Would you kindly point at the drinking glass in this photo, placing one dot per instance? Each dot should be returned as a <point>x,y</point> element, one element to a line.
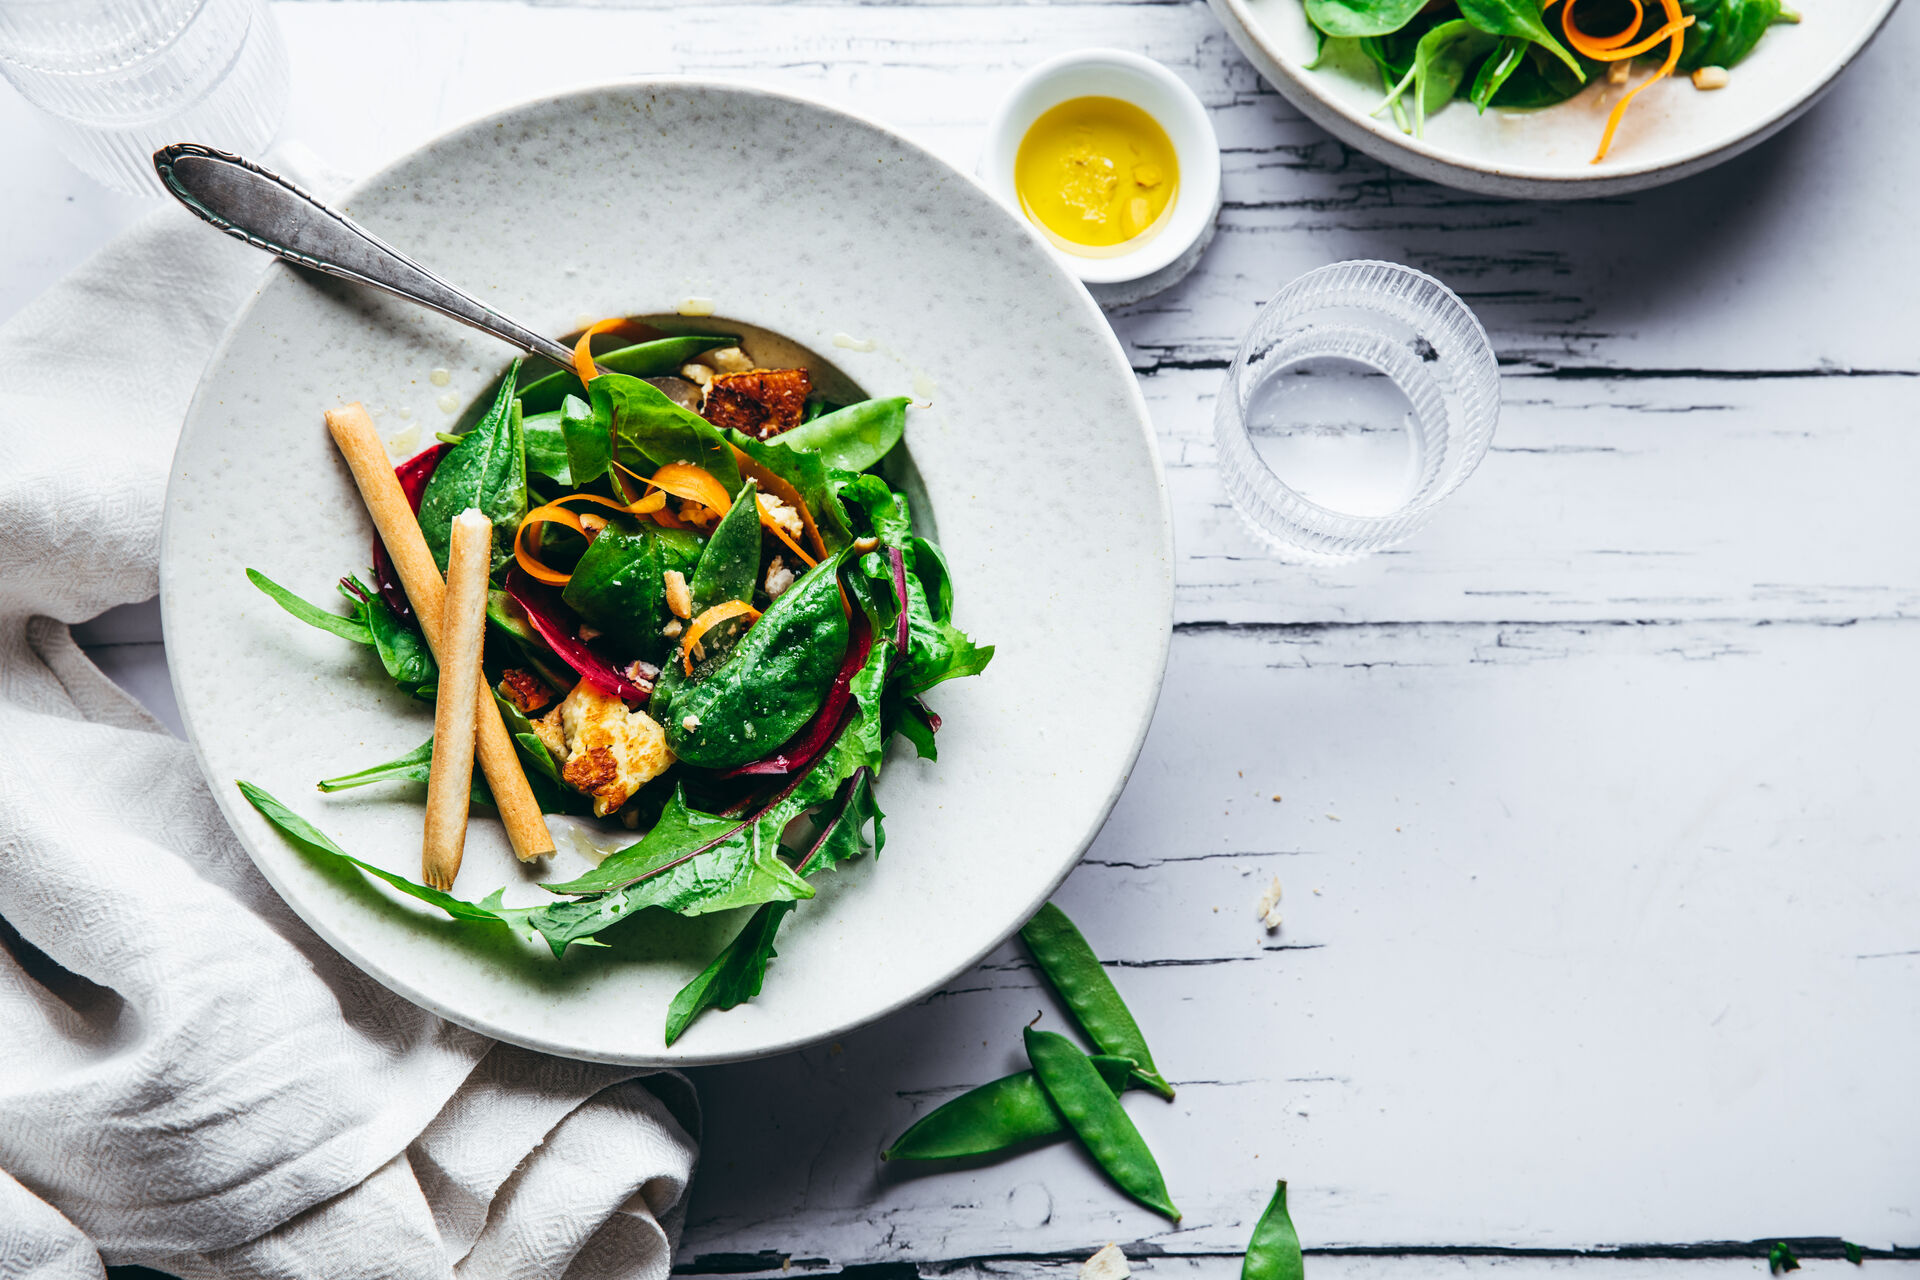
<point>118,79</point>
<point>1365,393</point>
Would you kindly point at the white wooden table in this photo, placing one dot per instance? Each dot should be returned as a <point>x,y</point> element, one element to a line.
<point>1594,806</point>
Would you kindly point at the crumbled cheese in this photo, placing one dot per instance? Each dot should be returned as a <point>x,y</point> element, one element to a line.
<point>611,750</point>
<point>673,629</point>
<point>782,515</point>
<point>779,578</point>
<point>690,723</point>
<point>697,373</point>
<point>728,360</point>
<point>679,598</point>
<point>1108,1264</point>
<point>1268,907</point>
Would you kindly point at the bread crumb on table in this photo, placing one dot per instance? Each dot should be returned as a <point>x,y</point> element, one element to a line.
<point>1267,907</point>
<point>1108,1264</point>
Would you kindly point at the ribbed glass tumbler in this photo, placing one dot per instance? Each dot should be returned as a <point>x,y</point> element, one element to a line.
<point>118,79</point>
<point>1365,393</point>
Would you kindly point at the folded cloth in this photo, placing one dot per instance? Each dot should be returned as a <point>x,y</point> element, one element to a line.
<point>190,1079</point>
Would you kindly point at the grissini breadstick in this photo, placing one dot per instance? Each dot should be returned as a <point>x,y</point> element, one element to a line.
<point>463,618</point>
<point>393,517</point>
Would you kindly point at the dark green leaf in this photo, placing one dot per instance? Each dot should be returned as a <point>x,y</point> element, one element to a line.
<point>735,975</point>
<point>730,565</point>
<point>774,679</point>
<point>809,477</point>
<point>354,628</point>
<point>649,430</point>
<point>936,650</point>
<point>588,440</point>
<point>1274,1251</point>
<point>414,766</point>
<point>1541,80</point>
<point>486,470</point>
<point>875,509</point>
<point>1361,17</point>
<point>546,443</point>
<point>853,438</point>
<point>1496,70</point>
<point>1781,1259</point>
<point>403,651</point>
<point>654,359</point>
<point>618,585</point>
<point>1517,18</point>
<point>998,1115</point>
<point>1853,1253</point>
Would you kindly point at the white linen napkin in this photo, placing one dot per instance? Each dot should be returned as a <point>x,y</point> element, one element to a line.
<point>190,1079</point>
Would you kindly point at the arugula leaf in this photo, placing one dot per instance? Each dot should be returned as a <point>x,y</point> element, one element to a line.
<point>309,839</point>
<point>736,974</point>
<point>1361,17</point>
<point>730,565</point>
<point>411,767</point>
<point>488,470</point>
<point>649,430</point>
<point>853,438</point>
<point>354,628</point>
<point>1517,18</point>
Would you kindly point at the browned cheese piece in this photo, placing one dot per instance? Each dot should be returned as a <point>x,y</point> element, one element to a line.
<point>760,402</point>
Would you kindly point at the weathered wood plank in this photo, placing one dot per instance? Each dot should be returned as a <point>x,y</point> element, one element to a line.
<point>1595,937</point>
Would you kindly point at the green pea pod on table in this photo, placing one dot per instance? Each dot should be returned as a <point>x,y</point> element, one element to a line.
<point>1274,1251</point>
<point>1073,1084</point>
<point>1075,972</point>
<point>998,1115</point>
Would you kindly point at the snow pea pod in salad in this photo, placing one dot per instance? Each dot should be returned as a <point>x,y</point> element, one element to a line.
<point>710,613</point>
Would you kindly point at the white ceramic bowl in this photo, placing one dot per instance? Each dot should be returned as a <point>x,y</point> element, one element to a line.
<point>1160,260</point>
<point>815,224</point>
<point>1672,130</point>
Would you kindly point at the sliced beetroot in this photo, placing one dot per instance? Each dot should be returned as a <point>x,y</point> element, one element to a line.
<point>899,562</point>
<point>413,474</point>
<point>555,625</point>
<point>816,735</point>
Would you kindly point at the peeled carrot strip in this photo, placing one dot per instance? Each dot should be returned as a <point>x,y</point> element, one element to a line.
<point>555,512</point>
<point>1677,25</point>
<point>770,482</point>
<point>768,523</point>
<point>583,356</point>
<point>684,481</point>
<point>1614,48</point>
<point>707,621</point>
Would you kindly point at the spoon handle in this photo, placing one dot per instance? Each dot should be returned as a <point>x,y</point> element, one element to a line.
<point>259,206</point>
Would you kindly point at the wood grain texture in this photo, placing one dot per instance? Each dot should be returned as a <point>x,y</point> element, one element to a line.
<point>1603,780</point>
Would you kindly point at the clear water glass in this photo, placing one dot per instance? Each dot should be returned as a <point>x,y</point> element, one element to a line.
<point>1365,393</point>
<point>118,79</point>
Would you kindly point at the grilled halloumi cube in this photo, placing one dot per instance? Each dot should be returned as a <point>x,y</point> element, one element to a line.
<point>607,750</point>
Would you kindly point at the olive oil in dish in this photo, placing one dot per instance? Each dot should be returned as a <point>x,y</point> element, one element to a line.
<point>1097,175</point>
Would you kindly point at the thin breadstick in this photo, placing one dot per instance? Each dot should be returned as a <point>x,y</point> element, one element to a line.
<point>462,619</point>
<point>393,518</point>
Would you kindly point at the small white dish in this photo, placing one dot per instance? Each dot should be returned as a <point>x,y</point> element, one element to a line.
<point>792,221</point>
<point>1159,260</point>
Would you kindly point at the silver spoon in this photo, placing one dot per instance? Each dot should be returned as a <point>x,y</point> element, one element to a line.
<point>255,204</point>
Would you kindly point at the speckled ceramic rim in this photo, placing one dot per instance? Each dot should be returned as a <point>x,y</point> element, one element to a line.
<point>1115,73</point>
<point>241,818</point>
<point>1438,164</point>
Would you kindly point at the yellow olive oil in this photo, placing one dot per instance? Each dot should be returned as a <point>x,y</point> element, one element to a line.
<point>1096,174</point>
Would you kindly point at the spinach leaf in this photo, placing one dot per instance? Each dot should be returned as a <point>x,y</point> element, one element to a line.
<point>1540,81</point>
<point>1495,71</point>
<point>875,508</point>
<point>937,650</point>
<point>929,563</point>
<point>853,438</point>
<point>1725,32</point>
<point>353,628</point>
<point>730,565</point>
<point>588,440</point>
<point>649,430</point>
<point>487,470</point>
<point>619,587</point>
<point>809,477</point>
<point>773,681</point>
<point>403,651</point>
<point>1361,17</point>
<point>1440,63</point>
<point>653,359</point>
<point>546,446</point>
<point>736,974</point>
<point>1517,18</point>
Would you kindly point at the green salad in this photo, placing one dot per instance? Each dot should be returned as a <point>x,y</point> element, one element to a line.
<point>709,614</point>
<point>1518,54</point>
